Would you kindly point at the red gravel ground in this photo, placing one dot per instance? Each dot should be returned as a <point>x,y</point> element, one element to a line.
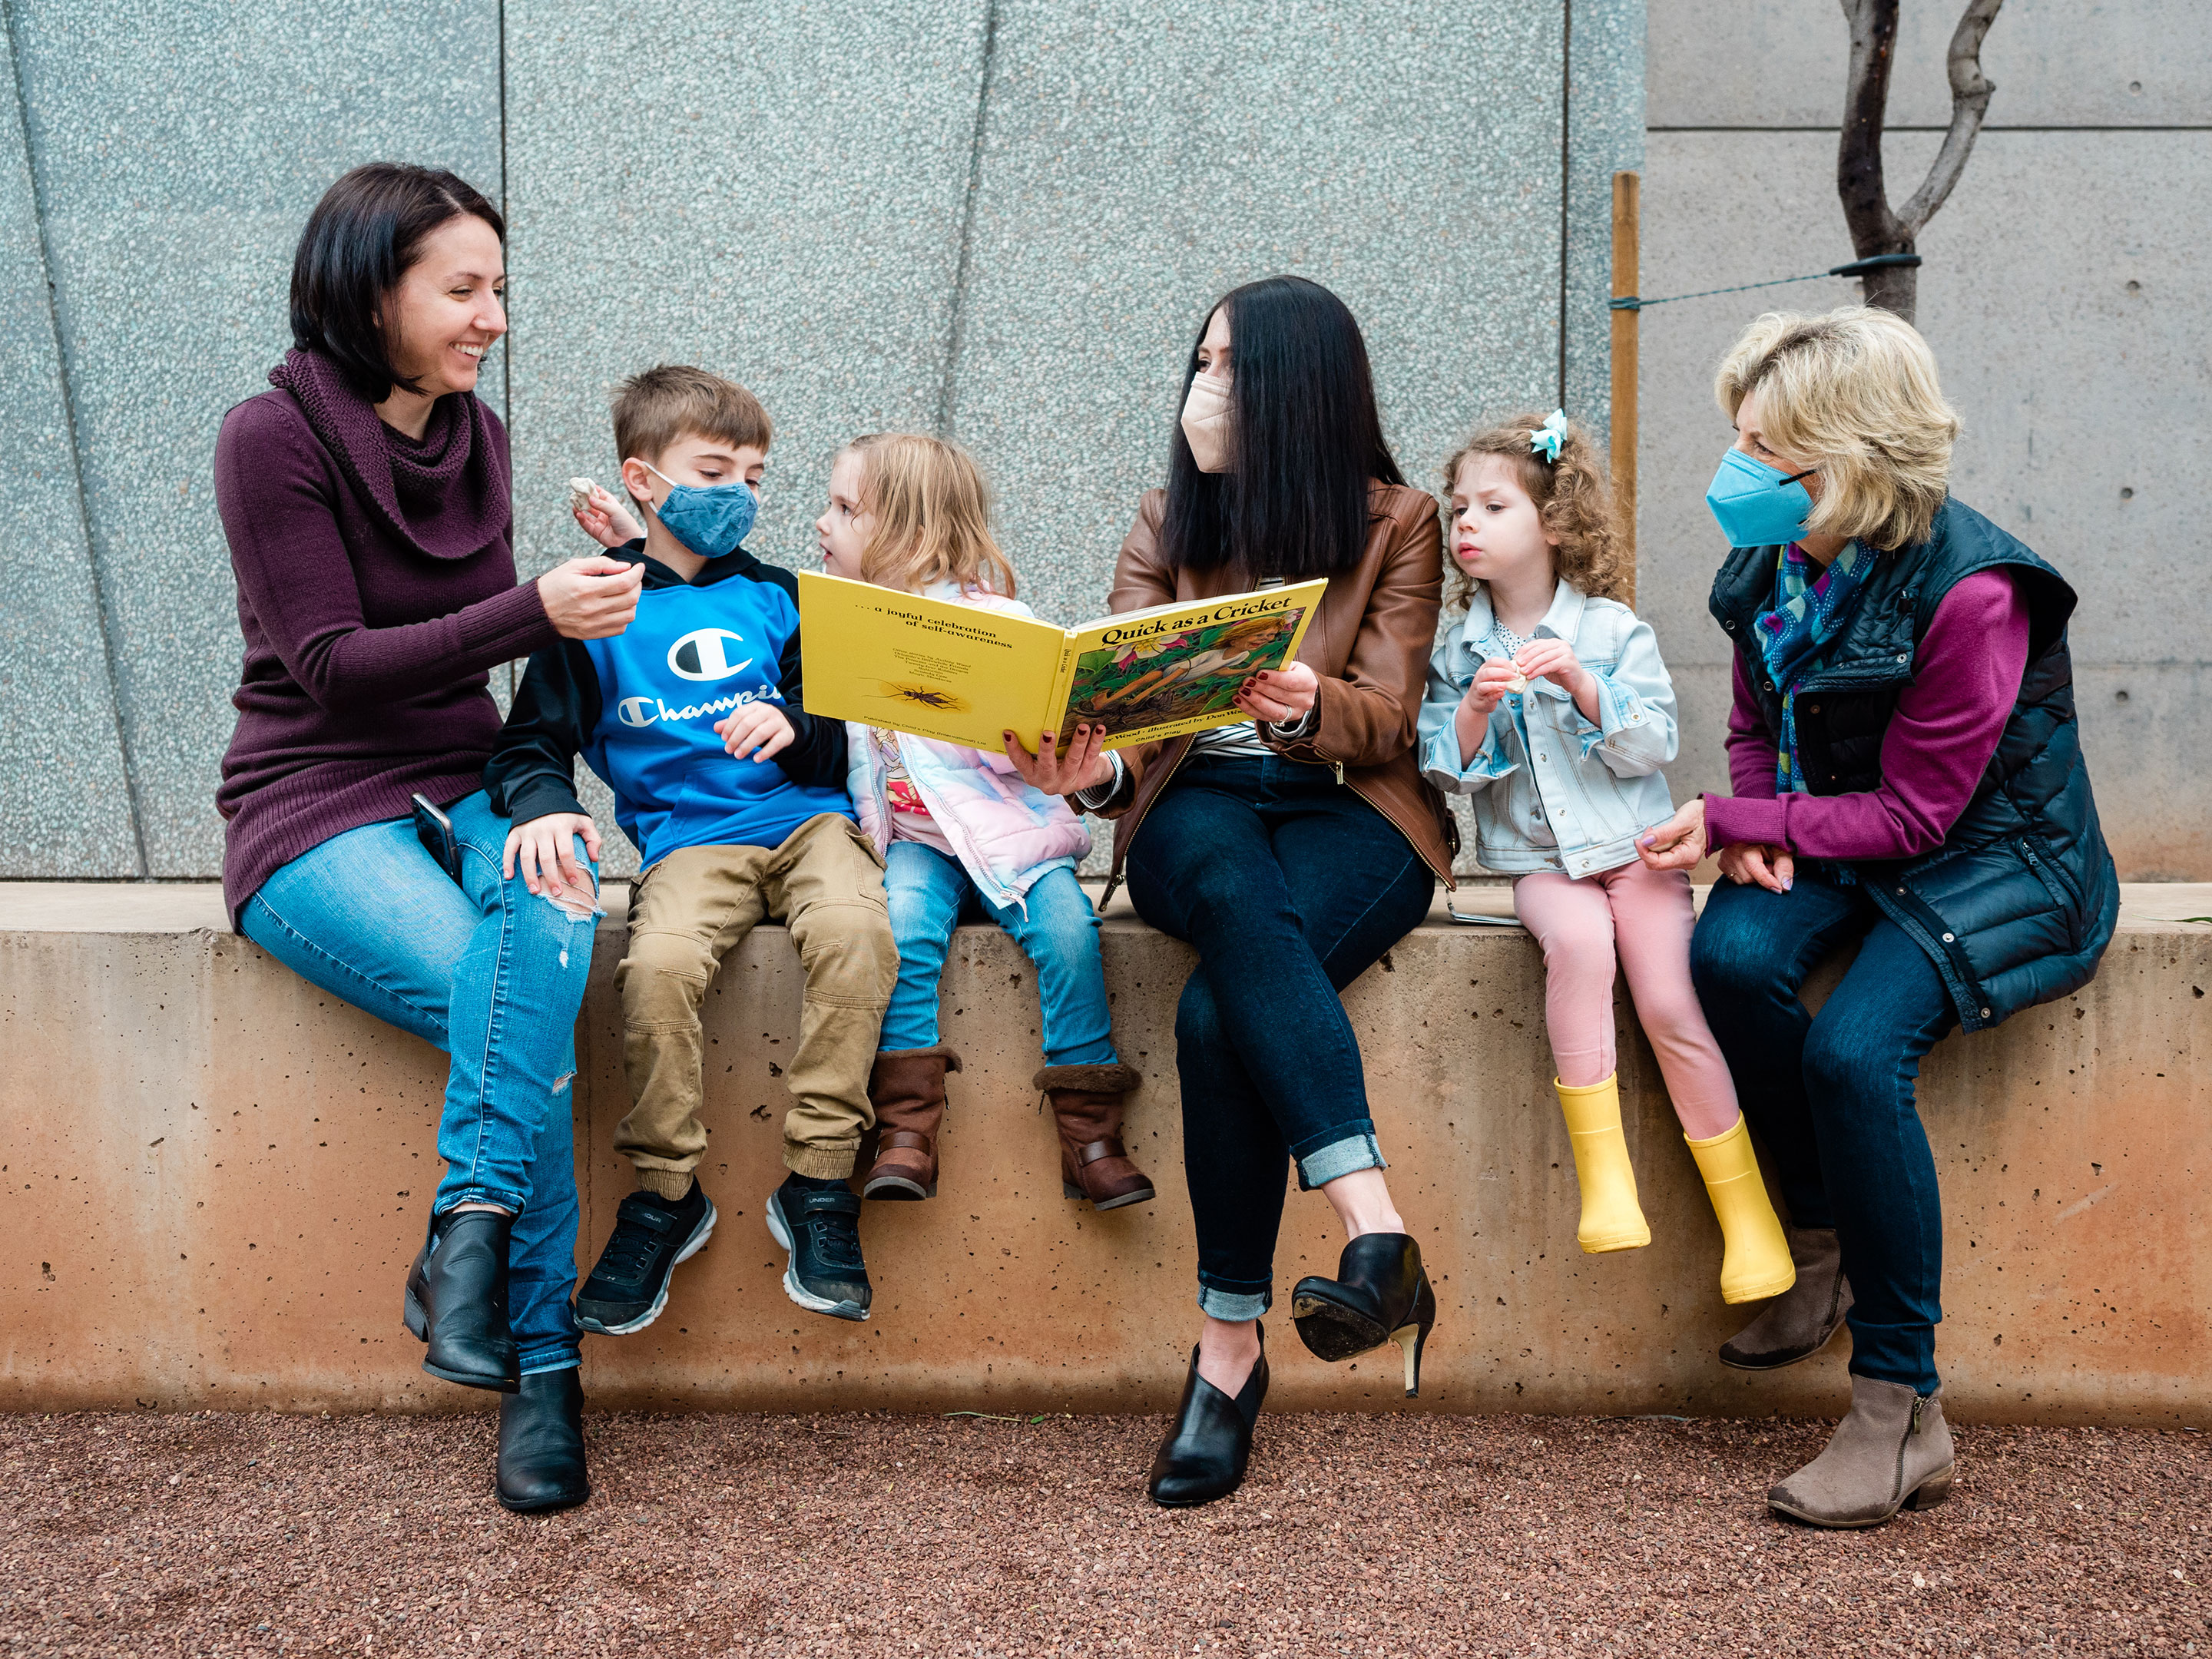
<point>234,1534</point>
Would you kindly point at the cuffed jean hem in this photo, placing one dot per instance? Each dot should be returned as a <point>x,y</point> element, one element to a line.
<point>820,1163</point>
<point>1233,1307</point>
<point>552,1359</point>
<point>512,1202</point>
<point>1340,1157</point>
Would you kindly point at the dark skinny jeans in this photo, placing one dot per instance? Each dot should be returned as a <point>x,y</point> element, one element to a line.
<point>1290,885</point>
<point>1831,1094</point>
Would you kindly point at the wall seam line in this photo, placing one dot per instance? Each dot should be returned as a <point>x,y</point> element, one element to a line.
<point>77,452</point>
<point>955,325</point>
<point>1566,174</point>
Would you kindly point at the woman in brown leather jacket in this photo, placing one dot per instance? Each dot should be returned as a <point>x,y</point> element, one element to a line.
<point>1292,851</point>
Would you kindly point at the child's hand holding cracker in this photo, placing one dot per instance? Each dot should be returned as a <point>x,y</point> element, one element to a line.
<point>600,516</point>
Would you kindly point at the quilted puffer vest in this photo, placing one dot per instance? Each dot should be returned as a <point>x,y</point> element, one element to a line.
<point>2018,903</point>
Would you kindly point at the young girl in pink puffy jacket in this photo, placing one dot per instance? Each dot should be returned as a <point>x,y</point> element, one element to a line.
<point>964,837</point>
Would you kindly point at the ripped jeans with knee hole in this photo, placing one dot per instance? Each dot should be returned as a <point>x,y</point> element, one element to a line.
<point>488,972</point>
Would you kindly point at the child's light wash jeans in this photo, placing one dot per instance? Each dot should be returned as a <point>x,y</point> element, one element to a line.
<point>1056,928</point>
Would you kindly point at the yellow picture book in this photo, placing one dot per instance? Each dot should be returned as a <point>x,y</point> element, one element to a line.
<point>963,674</point>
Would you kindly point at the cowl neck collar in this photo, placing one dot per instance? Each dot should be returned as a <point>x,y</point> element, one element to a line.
<point>447,497</point>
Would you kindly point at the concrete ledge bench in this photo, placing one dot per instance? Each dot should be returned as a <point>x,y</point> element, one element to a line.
<point>215,1175</point>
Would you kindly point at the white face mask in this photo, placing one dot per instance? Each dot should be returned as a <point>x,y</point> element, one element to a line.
<point>1209,423</point>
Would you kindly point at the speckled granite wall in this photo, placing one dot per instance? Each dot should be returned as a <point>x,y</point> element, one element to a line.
<point>175,151</point>
<point>998,218</point>
<point>66,810</point>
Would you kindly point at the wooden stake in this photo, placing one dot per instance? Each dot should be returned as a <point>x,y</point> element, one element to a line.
<point>1625,209</point>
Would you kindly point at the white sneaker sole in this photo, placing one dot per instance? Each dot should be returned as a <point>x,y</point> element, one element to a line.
<point>792,1288</point>
<point>692,1246</point>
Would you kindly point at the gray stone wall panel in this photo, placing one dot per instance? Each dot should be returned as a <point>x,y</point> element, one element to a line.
<point>178,150</point>
<point>1138,163</point>
<point>773,195</point>
<point>2054,63</point>
<point>66,808</point>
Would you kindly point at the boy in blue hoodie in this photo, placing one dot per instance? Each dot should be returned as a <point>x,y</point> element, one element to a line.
<point>735,798</point>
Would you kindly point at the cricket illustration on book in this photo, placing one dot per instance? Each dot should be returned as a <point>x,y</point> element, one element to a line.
<point>1188,677</point>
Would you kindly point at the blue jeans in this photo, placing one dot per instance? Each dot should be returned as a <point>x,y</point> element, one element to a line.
<point>1832,1095</point>
<point>930,894</point>
<point>1290,886</point>
<point>493,974</point>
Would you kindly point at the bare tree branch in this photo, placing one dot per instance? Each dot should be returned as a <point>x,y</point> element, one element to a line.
<point>1970,102</point>
<point>1859,182</point>
<point>1866,100</point>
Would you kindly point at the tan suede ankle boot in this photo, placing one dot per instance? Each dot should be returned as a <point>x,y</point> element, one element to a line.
<point>1892,1452</point>
<point>1086,1102</point>
<point>907,1088</point>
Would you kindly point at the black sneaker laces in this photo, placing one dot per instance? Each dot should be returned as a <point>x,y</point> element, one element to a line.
<point>628,1256</point>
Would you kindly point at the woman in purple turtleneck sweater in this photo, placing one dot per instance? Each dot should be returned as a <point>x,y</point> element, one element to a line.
<point>366,500</point>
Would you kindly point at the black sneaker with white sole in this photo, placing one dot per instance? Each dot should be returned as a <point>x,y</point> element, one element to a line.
<point>819,1223</point>
<point>629,1287</point>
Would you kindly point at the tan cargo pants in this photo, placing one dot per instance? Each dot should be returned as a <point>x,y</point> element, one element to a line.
<point>690,910</point>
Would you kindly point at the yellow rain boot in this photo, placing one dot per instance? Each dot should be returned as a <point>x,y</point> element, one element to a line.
<point>1755,1258</point>
<point>1612,1219</point>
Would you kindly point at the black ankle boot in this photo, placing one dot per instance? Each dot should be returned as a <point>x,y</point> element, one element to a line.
<point>1380,1294</point>
<point>456,1300</point>
<point>1204,1455</point>
<point>541,1444</point>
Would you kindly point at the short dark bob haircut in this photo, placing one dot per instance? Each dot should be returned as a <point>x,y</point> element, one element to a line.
<point>1309,441</point>
<point>362,236</point>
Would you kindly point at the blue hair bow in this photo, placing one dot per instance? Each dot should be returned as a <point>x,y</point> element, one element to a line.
<point>1545,440</point>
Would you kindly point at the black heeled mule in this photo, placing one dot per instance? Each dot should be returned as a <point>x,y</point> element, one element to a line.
<point>541,1444</point>
<point>456,1300</point>
<point>1380,1294</point>
<point>1204,1453</point>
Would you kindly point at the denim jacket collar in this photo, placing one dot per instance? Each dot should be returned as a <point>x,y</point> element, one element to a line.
<point>1563,621</point>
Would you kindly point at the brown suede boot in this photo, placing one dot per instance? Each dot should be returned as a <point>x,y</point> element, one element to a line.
<point>1891,1451</point>
<point>1087,1102</point>
<point>907,1088</point>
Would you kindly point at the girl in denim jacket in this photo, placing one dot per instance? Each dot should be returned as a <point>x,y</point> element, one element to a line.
<point>962,835</point>
<point>1550,706</point>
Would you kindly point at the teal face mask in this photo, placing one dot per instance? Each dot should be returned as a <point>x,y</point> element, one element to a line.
<point>1754,504</point>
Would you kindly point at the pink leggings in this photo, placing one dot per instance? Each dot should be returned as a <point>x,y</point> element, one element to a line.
<point>1650,915</point>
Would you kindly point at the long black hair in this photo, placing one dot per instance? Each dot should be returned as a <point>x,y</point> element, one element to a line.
<point>359,242</point>
<point>1307,439</point>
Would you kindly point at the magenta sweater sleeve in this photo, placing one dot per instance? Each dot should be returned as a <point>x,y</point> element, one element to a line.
<point>1751,751</point>
<point>276,490</point>
<point>1944,730</point>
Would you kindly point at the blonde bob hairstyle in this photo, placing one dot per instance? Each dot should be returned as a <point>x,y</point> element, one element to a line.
<point>933,515</point>
<point>1573,499</point>
<point>1852,394</point>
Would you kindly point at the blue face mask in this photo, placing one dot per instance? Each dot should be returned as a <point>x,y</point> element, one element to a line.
<point>711,520</point>
<point>1756,505</point>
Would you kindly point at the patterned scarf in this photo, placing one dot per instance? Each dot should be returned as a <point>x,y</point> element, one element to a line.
<point>1792,637</point>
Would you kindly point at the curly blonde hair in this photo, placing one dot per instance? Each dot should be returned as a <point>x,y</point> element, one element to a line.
<point>1853,395</point>
<point>1573,498</point>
